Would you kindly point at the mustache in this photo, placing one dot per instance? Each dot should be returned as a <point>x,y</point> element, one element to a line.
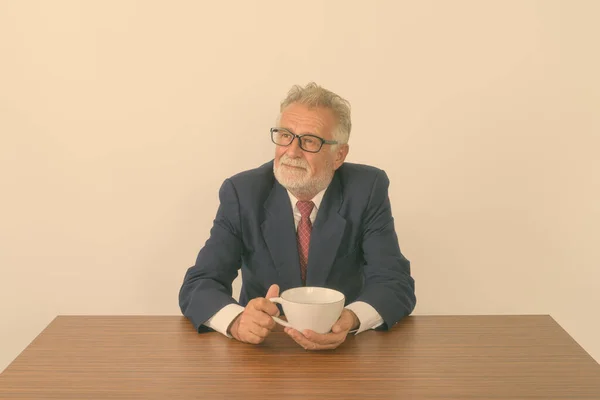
<point>293,162</point>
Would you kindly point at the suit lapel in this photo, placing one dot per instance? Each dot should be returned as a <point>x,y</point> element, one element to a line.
<point>280,235</point>
<point>326,235</point>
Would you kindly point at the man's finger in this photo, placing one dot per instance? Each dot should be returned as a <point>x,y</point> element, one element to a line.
<point>324,339</point>
<point>258,330</point>
<point>272,292</point>
<point>264,320</point>
<point>306,343</point>
<point>249,337</point>
<point>266,306</point>
<point>301,340</point>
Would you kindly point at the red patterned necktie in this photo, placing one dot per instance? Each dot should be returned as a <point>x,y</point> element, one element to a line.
<point>303,234</point>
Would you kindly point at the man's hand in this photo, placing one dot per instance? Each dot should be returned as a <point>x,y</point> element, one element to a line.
<point>254,324</point>
<point>311,340</point>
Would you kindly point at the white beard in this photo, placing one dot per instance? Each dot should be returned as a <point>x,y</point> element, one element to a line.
<point>298,180</point>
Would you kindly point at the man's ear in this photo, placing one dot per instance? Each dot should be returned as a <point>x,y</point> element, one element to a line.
<point>340,155</point>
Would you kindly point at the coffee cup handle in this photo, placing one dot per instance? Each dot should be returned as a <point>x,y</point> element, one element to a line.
<point>279,300</point>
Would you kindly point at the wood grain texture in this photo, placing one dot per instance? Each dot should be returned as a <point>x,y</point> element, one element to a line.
<point>423,357</point>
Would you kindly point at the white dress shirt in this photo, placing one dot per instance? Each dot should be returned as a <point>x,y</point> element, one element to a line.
<point>368,317</point>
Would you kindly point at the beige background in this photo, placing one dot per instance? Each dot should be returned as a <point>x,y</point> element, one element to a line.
<point>120,119</point>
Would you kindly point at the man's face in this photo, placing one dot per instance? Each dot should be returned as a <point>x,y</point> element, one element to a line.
<point>301,172</point>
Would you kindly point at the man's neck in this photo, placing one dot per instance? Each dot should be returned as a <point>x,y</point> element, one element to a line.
<point>303,196</point>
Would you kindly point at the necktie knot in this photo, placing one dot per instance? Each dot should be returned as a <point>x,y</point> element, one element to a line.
<point>305,208</point>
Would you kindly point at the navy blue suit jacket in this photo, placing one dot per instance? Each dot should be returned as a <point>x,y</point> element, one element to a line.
<point>353,245</point>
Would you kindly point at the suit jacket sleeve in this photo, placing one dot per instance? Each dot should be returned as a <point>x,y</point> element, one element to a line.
<point>207,286</point>
<point>388,286</point>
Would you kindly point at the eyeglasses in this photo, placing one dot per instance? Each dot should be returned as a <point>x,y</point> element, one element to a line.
<point>310,143</point>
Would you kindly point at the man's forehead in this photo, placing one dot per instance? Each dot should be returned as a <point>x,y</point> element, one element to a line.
<point>313,119</point>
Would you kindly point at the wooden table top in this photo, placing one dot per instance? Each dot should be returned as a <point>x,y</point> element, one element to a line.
<point>423,357</point>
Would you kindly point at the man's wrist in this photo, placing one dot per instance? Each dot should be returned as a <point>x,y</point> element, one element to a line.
<point>232,328</point>
<point>367,315</point>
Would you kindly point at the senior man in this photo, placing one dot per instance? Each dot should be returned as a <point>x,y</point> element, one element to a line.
<point>304,218</point>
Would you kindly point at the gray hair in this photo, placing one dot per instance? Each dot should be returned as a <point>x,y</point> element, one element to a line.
<point>313,95</point>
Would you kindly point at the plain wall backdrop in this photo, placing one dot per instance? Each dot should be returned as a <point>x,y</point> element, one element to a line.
<point>119,120</point>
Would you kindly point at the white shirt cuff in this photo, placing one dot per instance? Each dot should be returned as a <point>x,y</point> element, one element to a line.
<point>223,318</point>
<point>368,317</point>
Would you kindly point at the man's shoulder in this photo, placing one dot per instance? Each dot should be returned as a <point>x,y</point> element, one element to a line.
<point>361,181</point>
<point>254,180</point>
<point>262,172</point>
<point>358,172</point>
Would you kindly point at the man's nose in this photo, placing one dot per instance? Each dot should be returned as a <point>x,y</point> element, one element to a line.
<point>294,149</point>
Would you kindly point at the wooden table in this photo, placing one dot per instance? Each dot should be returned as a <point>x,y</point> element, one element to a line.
<point>423,357</point>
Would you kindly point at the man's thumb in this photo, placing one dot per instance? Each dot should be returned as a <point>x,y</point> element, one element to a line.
<point>272,292</point>
<point>336,328</point>
<point>343,323</point>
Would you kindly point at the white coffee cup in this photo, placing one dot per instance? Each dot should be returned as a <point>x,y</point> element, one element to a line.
<point>310,307</point>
